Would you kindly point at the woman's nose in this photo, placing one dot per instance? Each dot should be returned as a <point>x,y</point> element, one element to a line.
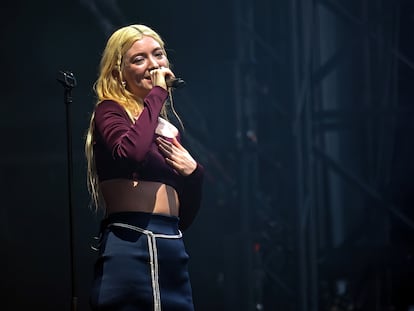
<point>154,63</point>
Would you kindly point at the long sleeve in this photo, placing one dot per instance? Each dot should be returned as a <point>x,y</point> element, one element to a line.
<point>190,197</point>
<point>124,139</point>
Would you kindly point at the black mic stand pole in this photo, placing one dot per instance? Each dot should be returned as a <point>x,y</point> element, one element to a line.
<point>69,82</point>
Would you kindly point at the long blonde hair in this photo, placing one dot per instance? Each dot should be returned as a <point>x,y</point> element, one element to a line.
<point>109,86</point>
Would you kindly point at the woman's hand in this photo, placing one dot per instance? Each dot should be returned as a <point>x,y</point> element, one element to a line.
<point>177,156</point>
<point>159,76</point>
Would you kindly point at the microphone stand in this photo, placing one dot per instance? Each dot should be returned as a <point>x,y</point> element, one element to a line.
<point>68,81</point>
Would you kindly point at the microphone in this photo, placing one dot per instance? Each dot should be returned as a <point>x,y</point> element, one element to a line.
<point>175,83</point>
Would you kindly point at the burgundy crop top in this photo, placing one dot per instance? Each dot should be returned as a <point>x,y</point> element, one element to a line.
<point>124,149</point>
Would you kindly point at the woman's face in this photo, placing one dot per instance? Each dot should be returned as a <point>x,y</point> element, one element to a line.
<point>144,55</point>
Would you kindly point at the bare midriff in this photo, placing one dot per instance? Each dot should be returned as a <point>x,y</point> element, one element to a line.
<point>124,195</point>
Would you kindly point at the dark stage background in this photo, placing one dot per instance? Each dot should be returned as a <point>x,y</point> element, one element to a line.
<point>301,111</point>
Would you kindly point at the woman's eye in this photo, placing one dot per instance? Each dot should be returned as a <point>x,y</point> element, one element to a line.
<point>159,55</point>
<point>138,60</point>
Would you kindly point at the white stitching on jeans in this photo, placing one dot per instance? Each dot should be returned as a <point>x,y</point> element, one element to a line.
<point>153,252</point>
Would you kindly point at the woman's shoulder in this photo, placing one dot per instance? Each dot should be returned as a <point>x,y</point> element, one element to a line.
<point>109,105</point>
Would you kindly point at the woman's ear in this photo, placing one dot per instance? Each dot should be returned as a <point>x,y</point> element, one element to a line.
<point>115,74</point>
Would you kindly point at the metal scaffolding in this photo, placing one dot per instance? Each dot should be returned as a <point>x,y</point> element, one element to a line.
<point>316,98</point>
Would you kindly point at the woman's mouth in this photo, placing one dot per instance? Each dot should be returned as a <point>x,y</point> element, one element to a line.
<point>148,79</point>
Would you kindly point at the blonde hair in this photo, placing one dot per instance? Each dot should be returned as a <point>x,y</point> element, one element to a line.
<point>109,86</point>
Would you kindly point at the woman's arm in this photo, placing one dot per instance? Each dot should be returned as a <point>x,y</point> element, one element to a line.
<point>190,197</point>
<point>124,139</point>
<point>192,173</point>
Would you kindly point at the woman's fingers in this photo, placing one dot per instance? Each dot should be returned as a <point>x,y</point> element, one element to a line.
<point>177,156</point>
